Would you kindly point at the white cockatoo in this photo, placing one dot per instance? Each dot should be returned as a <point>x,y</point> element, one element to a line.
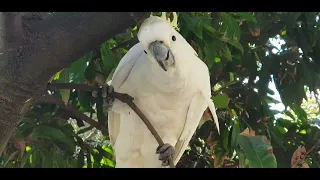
<point>170,85</point>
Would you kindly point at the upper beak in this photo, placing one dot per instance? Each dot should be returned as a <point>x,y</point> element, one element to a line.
<point>162,54</point>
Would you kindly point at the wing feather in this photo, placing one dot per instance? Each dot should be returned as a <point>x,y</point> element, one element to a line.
<point>120,75</point>
<point>125,66</point>
<point>198,105</point>
<point>195,112</point>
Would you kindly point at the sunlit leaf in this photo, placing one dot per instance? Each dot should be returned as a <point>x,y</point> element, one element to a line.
<point>221,101</point>
<point>257,149</point>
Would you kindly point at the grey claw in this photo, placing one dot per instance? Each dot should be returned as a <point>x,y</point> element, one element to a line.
<point>104,91</point>
<point>111,89</point>
<point>165,152</point>
<point>95,93</point>
<point>108,100</point>
<point>108,103</point>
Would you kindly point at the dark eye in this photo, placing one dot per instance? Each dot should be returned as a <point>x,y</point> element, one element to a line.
<point>173,38</point>
<point>145,52</point>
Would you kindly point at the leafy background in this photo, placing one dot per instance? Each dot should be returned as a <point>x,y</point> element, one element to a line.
<point>247,53</point>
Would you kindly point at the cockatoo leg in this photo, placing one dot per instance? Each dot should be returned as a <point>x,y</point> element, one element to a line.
<point>106,92</point>
<point>166,151</point>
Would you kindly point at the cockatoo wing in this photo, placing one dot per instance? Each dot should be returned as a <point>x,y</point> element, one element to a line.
<point>197,106</point>
<point>125,66</point>
<point>119,77</point>
<point>195,112</point>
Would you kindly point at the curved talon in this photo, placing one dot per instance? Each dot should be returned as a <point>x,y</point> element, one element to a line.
<point>166,151</point>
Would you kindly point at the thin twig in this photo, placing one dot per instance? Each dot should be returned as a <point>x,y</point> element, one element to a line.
<point>73,110</point>
<point>300,161</point>
<point>125,98</point>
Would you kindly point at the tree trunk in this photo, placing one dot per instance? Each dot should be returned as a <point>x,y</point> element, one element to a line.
<point>33,50</point>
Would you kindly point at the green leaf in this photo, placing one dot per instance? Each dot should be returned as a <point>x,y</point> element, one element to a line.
<point>107,162</point>
<point>90,72</point>
<point>108,59</point>
<point>212,32</point>
<point>302,115</point>
<point>12,157</point>
<point>210,52</point>
<point>230,26</point>
<point>231,75</point>
<point>224,138</point>
<point>221,101</point>
<point>246,16</point>
<point>190,21</point>
<point>258,151</point>
<point>80,159</point>
<point>86,101</point>
<point>198,31</point>
<point>75,73</point>
<point>89,162</point>
<point>226,52</point>
<point>47,159</point>
<point>276,137</point>
<point>235,134</point>
<point>18,135</point>
<point>25,159</point>
<point>271,100</point>
<point>288,113</point>
<point>108,149</point>
<point>35,157</point>
<point>53,134</point>
<point>242,158</point>
<point>65,95</point>
<point>234,43</point>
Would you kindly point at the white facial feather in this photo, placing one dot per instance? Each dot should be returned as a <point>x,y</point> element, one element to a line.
<point>155,28</point>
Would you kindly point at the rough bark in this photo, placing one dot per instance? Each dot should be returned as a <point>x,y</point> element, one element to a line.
<point>33,50</point>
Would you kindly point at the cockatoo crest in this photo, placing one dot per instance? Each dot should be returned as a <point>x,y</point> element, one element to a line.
<point>174,22</point>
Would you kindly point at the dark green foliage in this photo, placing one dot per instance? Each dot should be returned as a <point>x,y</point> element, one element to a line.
<point>242,62</point>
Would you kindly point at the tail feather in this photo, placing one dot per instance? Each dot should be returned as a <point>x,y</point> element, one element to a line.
<point>213,111</point>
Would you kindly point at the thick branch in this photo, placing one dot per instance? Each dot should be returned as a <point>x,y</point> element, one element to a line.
<point>33,51</point>
<point>73,110</point>
<point>65,37</point>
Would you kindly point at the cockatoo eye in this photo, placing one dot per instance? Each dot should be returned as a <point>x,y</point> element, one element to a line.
<point>174,38</point>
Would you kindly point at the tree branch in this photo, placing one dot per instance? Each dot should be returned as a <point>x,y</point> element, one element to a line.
<point>73,110</point>
<point>67,36</point>
<point>33,50</point>
<point>125,98</point>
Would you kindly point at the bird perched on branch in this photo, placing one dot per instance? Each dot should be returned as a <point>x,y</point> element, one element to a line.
<point>170,85</point>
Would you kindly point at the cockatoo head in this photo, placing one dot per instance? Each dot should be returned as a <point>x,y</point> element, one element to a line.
<point>161,42</point>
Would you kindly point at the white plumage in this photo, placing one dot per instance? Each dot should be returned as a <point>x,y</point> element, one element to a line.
<point>172,100</point>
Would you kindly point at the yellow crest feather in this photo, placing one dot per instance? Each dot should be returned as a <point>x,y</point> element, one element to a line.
<point>174,22</point>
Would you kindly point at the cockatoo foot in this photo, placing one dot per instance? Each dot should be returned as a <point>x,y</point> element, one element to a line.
<point>108,100</point>
<point>106,92</point>
<point>95,92</point>
<point>165,151</point>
